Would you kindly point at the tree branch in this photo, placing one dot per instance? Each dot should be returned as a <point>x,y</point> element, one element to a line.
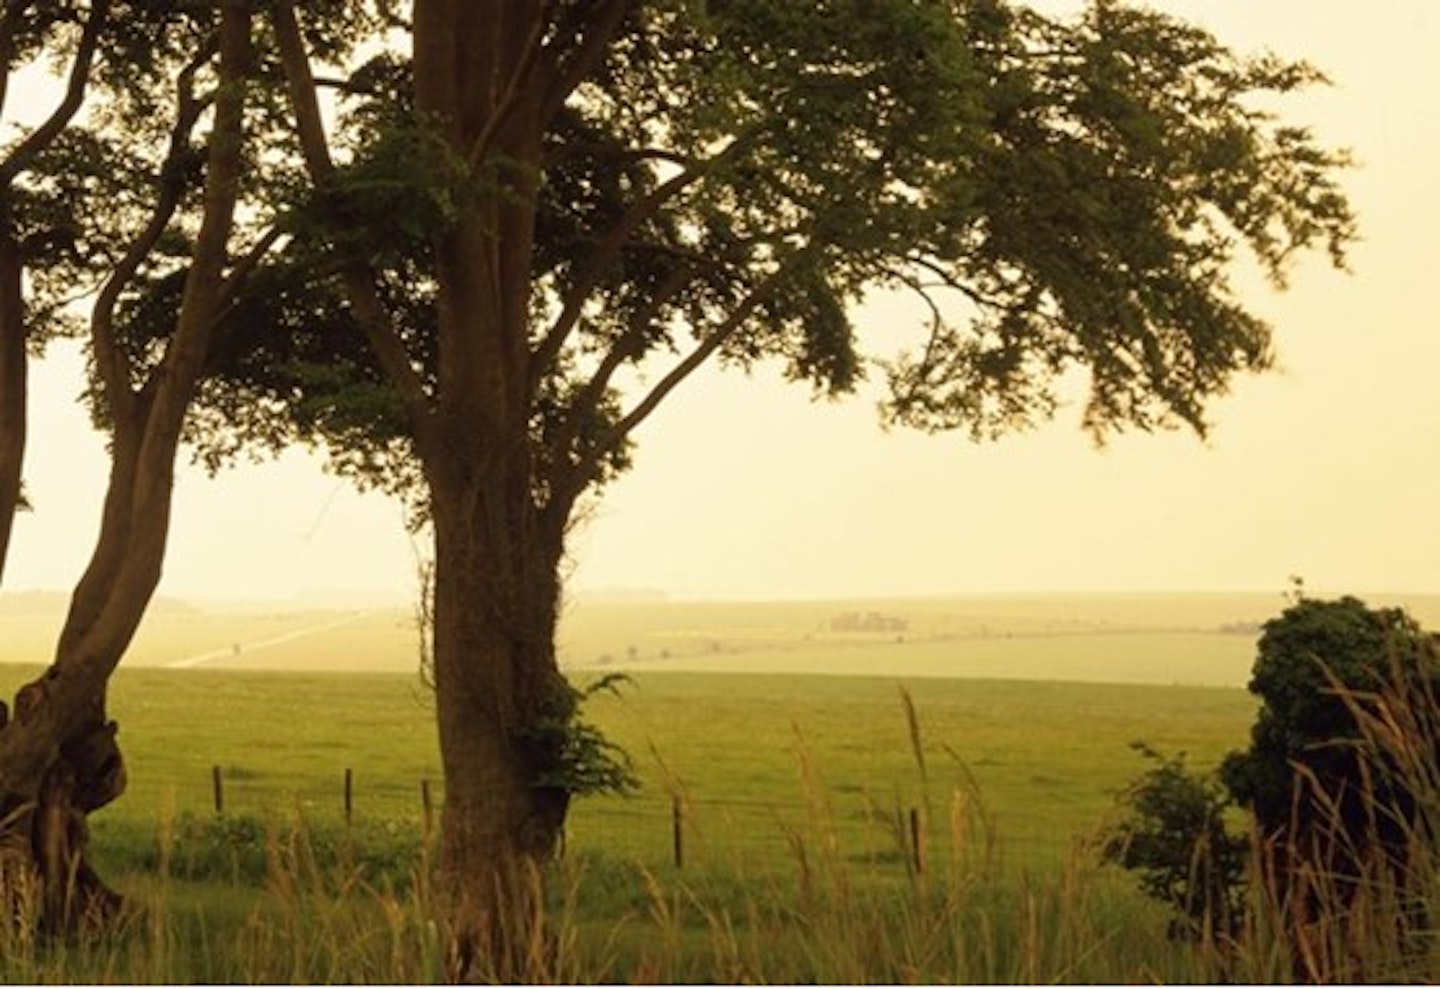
<point>359,281</point>
<point>110,360</point>
<point>243,268</point>
<point>588,465</point>
<point>607,252</point>
<point>41,137</point>
<point>605,17</point>
<point>627,347</point>
<point>201,298</point>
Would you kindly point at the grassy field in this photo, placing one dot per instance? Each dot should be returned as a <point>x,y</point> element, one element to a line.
<point>789,785</point>
<point>796,790</point>
<point>750,755</point>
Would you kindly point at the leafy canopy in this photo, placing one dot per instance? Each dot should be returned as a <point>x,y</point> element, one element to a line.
<point>1061,195</point>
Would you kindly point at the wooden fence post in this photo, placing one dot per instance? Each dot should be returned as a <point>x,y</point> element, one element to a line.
<point>677,829</point>
<point>349,795</point>
<point>917,842</point>
<point>217,785</point>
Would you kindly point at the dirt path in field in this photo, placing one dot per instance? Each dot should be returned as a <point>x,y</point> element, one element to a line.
<point>246,648</point>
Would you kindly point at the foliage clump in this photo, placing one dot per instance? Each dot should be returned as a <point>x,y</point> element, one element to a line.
<point>1174,837</point>
<point>1341,776</point>
<point>1315,662</point>
<point>580,759</point>
<point>1342,779</point>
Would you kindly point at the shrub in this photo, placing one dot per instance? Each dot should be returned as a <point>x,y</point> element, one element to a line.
<point>1341,777</point>
<point>1309,777</point>
<point>1173,835</point>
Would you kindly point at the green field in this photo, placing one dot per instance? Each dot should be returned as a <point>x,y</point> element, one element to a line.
<point>1032,699</point>
<point>1045,758</point>
<point>779,731</point>
<point>796,793</point>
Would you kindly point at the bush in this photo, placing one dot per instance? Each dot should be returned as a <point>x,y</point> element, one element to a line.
<point>1309,776</point>
<point>1342,778</point>
<point>1173,835</point>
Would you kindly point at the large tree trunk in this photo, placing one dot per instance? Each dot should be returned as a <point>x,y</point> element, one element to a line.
<point>59,760</point>
<point>61,763</point>
<point>503,711</point>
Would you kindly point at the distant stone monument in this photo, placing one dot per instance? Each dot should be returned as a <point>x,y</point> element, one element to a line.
<point>869,622</point>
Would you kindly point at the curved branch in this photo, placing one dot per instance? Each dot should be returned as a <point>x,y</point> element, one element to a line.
<point>587,466</point>
<point>601,259</point>
<point>110,361</point>
<point>607,252</point>
<point>627,347</point>
<point>606,16</point>
<point>41,137</point>
<point>358,280</point>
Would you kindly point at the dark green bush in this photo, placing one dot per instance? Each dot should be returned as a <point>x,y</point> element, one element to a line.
<point>1173,835</point>
<point>1322,792</point>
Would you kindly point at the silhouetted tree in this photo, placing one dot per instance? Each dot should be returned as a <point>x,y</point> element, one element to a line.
<point>539,199</point>
<point>537,202</point>
<point>34,227</point>
<point>146,224</point>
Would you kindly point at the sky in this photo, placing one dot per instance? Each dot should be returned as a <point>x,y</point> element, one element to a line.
<point>745,488</point>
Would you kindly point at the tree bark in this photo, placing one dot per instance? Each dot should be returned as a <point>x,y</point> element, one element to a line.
<point>492,77</point>
<point>502,709</point>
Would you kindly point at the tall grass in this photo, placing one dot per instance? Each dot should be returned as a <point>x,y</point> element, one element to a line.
<point>282,901</point>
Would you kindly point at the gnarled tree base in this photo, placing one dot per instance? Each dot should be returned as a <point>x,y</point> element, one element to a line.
<point>47,886</point>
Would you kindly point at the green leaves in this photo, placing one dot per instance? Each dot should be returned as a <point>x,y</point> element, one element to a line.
<point>1173,836</point>
<point>572,755</point>
<point>1063,197</point>
<point>1123,167</point>
<point>1308,659</point>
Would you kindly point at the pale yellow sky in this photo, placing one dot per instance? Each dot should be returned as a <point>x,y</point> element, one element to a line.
<point>743,488</point>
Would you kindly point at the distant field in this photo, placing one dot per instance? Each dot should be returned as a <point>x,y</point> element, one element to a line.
<point>259,636</point>
<point>753,757</point>
<point>1194,639</point>
<point>1034,699</point>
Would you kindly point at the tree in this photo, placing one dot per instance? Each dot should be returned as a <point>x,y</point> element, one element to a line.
<point>531,227</point>
<point>30,31</point>
<point>1340,772</point>
<point>1311,663</point>
<point>161,232</point>
<point>525,232</point>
